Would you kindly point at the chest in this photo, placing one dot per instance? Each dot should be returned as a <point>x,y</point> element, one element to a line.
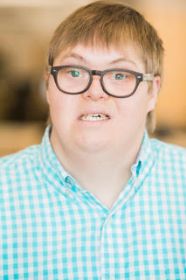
<point>68,237</point>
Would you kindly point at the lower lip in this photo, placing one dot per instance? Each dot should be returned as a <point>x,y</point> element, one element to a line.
<point>94,122</point>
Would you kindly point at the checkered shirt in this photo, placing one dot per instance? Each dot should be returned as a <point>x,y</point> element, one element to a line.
<point>51,228</point>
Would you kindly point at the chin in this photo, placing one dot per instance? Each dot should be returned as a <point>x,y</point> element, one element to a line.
<point>93,145</point>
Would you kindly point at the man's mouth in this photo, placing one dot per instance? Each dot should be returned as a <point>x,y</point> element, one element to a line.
<point>95,117</point>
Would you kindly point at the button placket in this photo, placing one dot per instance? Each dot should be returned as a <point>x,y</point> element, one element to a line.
<point>105,243</point>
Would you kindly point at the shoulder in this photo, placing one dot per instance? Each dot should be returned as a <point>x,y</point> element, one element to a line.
<point>168,150</point>
<point>19,157</point>
<point>21,164</point>
<point>170,157</point>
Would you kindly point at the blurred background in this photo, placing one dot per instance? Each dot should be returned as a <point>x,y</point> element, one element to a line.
<point>25,30</point>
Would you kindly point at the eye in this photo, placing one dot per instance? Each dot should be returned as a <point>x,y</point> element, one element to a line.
<point>74,73</point>
<point>119,76</point>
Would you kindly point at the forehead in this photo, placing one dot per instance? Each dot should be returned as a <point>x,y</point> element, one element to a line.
<point>100,55</point>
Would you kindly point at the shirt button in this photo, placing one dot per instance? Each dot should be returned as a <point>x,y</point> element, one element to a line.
<point>69,180</point>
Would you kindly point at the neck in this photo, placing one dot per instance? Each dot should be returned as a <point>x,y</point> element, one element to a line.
<point>103,174</point>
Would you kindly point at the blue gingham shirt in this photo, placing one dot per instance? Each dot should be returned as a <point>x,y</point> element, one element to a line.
<point>51,228</point>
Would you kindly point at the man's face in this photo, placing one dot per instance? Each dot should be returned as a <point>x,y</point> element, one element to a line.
<point>123,122</point>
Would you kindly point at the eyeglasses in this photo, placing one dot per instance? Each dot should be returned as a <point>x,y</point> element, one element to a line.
<point>75,79</point>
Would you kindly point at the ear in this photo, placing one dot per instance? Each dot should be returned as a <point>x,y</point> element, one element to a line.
<point>153,93</point>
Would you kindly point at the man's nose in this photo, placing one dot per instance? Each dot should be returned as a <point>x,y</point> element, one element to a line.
<point>95,91</point>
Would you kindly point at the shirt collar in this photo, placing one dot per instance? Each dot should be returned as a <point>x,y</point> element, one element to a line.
<point>144,155</point>
<point>49,161</point>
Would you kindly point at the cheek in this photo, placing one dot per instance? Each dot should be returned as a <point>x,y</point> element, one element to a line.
<point>58,105</point>
<point>55,98</point>
<point>133,112</point>
<point>63,107</point>
<point>134,107</point>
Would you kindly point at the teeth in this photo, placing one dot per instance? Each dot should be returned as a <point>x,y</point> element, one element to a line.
<point>94,117</point>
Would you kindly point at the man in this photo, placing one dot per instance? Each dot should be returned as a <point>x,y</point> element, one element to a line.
<point>97,199</point>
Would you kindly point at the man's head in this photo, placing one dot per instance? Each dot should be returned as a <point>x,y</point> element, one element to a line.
<point>110,24</point>
<point>97,38</point>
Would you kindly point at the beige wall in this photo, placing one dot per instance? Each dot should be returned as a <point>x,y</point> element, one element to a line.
<point>171,25</point>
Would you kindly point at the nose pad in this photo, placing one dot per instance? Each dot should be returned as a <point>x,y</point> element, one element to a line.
<point>95,91</point>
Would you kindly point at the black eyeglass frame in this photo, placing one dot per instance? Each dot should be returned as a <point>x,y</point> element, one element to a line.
<point>140,77</point>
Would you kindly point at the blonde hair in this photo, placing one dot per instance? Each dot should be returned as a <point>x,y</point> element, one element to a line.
<point>109,24</point>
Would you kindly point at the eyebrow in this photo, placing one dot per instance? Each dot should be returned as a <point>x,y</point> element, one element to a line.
<point>74,55</point>
<point>79,57</point>
<point>122,59</point>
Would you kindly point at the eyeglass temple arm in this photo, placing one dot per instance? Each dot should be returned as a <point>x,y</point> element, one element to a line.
<point>148,77</point>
